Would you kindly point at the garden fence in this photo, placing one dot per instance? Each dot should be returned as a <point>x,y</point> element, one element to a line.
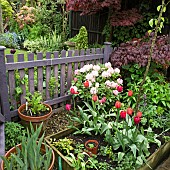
<point>50,74</point>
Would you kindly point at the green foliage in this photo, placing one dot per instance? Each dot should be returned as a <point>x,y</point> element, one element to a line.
<point>52,85</point>
<point>14,132</point>
<point>64,145</point>
<point>30,156</point>
<point>6,8</point>
<point>35,105</point>
<point>82,39</point>
<point>50,43</point>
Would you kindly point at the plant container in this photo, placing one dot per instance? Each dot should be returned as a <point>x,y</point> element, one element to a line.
<point>93,149</point>
<point>153,161</point>
<point>35,120</point>
<point>13,150</point>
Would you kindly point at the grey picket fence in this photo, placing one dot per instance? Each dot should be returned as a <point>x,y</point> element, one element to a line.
<point>38,70</point>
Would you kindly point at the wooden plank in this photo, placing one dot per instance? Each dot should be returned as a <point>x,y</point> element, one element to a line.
<point>93,52</point>
<point>87,54</point>
<point>2,141</point>
<point>98,51</point>
<point>48,75</point>
<point>62,75</point>
<point>11,82</point>
<point>56,55</point>
<point>22,75</point>
<point>40,74</point>
<point>82,52</point>
<point>76,53</point>
<point>49,62</point>
<point>31,74</point>
<point>69,72</point>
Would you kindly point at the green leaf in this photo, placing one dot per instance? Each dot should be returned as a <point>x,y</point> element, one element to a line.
<point>133,149</point>
<point>151,22</point>
<point>158,8</point>
<point>120,156</point>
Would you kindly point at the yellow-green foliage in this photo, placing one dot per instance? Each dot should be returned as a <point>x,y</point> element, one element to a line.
<point>82,39</point>
<point>6,9</point>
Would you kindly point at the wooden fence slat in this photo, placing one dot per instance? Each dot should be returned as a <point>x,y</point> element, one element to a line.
<point>62,75</point>
<point>11,80</point>
<point>31,74</point>
<point>69,71</point>
<point>98,51</point>
<point>82,52</point>
<point>76,53</point>
<point>88,53</point>
<point>22,75</point>
<point>93,52</point>
<point>40,74</point>
<point>56,55</point>
<point>48,75</point>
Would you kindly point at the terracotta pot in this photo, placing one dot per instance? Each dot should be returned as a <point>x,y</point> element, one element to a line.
<point>13,150</point>
<point>94,149</point>
<point>36,121</point>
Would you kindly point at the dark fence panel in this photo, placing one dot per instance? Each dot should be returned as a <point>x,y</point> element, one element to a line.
<point>94,24</point>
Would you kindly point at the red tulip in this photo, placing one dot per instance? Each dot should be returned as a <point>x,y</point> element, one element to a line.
<point>123,114</point>
<point>137,120</point>
<point>72,91</point>
<point>68,107</point>
<point>86,84</point>
<point>130,93</point>
<point>119,88</point>
<point>118,104</point>
<point>129,111</point>
<point>139,114</point>
<point>94,97</point>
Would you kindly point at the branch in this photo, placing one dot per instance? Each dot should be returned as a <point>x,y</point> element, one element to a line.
<point>12,6</point>
<point>150,56</point>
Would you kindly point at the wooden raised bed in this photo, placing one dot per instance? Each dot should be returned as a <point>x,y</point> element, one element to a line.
<point>153,161</point>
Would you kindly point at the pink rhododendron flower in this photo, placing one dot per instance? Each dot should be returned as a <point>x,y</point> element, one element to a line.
<point>115,92</point>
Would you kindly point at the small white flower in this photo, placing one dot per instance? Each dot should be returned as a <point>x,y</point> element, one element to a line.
<point>95,73</point>
<point>82,70</point>
<point>110,125</point>
<point>90,83</point>
<point>89,76</point>
<point>93,90</point>
<point>116,70</point>
<point>96,67</point>
<point>113,84</point>
<point>108,83</point>
<point>76,72</point>
<point>111,70</point>
<point>97,85</point>
<point>108,65</point>
<point>119,81</point>
<point>105,74</point>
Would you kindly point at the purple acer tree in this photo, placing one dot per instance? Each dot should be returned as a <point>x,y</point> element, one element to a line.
<point>117,16</point>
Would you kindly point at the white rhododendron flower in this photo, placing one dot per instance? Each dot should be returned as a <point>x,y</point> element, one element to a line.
<point>82,70</point>
<point>89,76</point>
<point>97,85</point>
<point>93,90</point>
<point>119,81</point>
<point>113,84</point>
<point>90,83</point>
<point>108,83</point>
<point>95,73</point>
<point>96,67</point>
<point>108,65</point>
<point>116,70</point>
<point>110,70</point>
<point>76,72</point>
<point>105,74</point>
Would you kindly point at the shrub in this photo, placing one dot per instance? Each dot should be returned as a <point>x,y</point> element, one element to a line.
<point>14,132</point>
<point>10,40</point>
<point>138,51</point>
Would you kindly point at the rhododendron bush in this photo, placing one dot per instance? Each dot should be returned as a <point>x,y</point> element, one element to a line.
<point>97,83</point>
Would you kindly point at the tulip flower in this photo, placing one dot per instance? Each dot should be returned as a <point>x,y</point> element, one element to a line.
<point>119,88</point>
<point>118,104</point>
<point>130,93</point>
<point>129,111</point>
<point>137,120</point>
<point>68,107</point>
<point>123,114</point>
<point>86,84</point>
<point>139,114</point>
<point>94,97</point>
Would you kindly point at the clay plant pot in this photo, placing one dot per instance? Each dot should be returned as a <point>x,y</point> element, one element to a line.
<point>13,150</point>
<point>94,149</point>
<point>36,121</point>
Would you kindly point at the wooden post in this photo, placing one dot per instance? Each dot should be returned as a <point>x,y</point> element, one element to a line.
<point>107,51</point>
<point>5,107</point>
